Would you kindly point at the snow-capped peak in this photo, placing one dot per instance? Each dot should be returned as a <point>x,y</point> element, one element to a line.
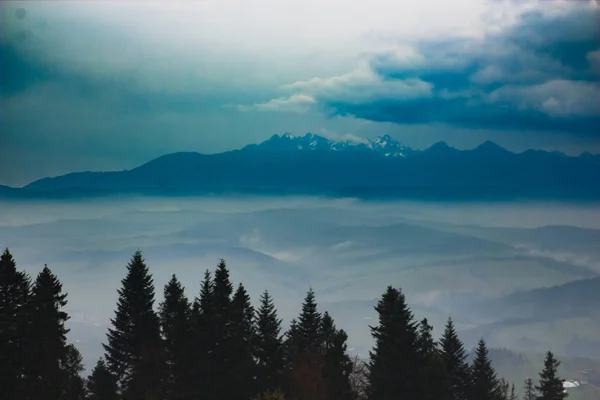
<point>384,145</point>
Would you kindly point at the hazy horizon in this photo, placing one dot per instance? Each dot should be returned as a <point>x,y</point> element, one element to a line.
<point>347,250</point>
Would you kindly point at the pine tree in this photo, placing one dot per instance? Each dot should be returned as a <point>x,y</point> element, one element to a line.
<point>513,393</point>
<point>15,289</point>
<point>221,333</point>
<point>454,357</point>
<point>550,386</point>
<point>485,384</point>
<point>101,384</point>
<point>434,379</point>
<point>304,345</point>
<point>394,365</point>
<point>134,351</point>
<point>268,346</point>
<point>72,366</point>
<point>309,325</point>
<point>337,365</point>
<point>45,340</point>
<point>529,390</point>
<point>176,327</point>
<point>203,339</point>
<point>242,370</point>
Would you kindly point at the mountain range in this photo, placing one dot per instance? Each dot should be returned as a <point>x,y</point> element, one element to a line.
<point>314,165</point>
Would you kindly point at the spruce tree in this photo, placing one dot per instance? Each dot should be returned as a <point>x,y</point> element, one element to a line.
<point>337,365</point>
<point>484,382</point>
<point>176,327</point>
<point>15,288</point>
<point>134,352</point>
<point>268,346</point>
<point>304,344</point>
<point>101,384</point>
<point>309,325</point>
<point>434,379</point>
<point>454,357</point>
<point>72,366</point>
<point>529,390</point>
<point>242,370</point>
<point>550,386</point>
<point>45,341</point>
<point>395,362</point>
<point>203,339</point>
<point>219,351</point>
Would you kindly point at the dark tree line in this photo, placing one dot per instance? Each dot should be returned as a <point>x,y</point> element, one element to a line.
<point>218,347</point>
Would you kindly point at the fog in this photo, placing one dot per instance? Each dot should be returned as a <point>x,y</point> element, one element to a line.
<point>443,255</point>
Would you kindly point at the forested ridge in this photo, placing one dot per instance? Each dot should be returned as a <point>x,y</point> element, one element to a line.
<point>217,346</point>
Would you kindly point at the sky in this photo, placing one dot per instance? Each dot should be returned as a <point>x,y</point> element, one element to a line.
<point>95,85</point>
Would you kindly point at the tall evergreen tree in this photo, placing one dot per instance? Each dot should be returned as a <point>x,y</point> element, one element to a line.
<point>176,327</point>
<point>101,384</point>
<point>203,339</point>
<point>529,390</point>
<point>219,351</point>
<point>134,351</point>
<point>485,384</point>
<point>268,346</point>
<point>242,369</point>
<point>304,345</point>
<point>395,362</point>
<point>337,365</point>
<point>454,357</point>
<point>309,325</point>
<point>15,288</point>
<point>72,366</point>
<point>434,379</point>
<point>45,340</point>
<point>550,386</point>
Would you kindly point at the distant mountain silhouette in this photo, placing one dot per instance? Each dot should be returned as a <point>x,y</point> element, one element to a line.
<point>573,299</point>
<point>383,167</point>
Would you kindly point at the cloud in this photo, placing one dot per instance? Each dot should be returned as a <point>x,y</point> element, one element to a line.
<point>539,74</point>
<point>297,103</point>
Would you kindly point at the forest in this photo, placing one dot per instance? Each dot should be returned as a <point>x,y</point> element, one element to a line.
<point>218,346</point>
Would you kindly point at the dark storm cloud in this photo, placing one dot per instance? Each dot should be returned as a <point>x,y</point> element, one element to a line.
<point>541,74</point>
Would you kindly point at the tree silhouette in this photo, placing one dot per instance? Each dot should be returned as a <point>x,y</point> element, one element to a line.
<point>268,346</point>
<point>134,351</point>
<point>454,357</point>
<point>101,384</point>
<point>550,386</point>
<point>395,362</point>
<point>176,328</point>
<point>15,289</point>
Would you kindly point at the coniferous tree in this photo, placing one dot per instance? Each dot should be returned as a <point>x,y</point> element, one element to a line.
<point>454,357</point>
<point>242,369</point>
<point>134,352</point>
<point>309,325</point>
<point>529,390</point>
<point>337,365</point>
<point>395,362</point>
<point>513,393</point>
<point>202,339</point>
<point>550,386</point>
<point>15,288</point>
<point>101,384</point>
<point>176,327</point>
<point>268,346</point>
<point>484,381</point>
<point>220,351</point>
<point>72,366</point>
<point>305,371</point>
<point>434,380</point>
<point>45,341</point>
<point>291,337</point>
